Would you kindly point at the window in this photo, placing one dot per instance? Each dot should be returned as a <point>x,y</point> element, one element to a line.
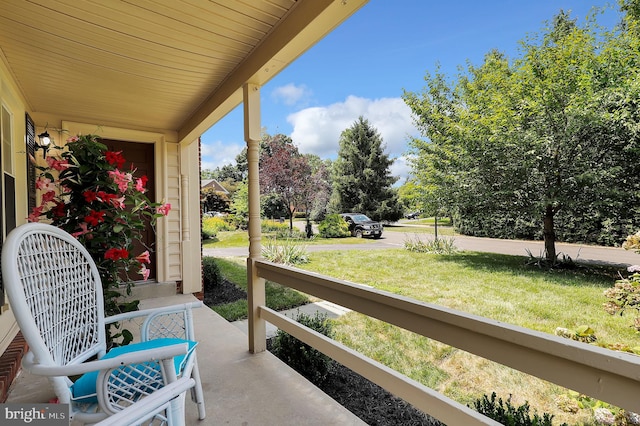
<point>5,123</point>
<point>8,183</point>
<point>8,175</point>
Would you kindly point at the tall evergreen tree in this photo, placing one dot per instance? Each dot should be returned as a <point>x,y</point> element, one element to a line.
<point>362,180</point>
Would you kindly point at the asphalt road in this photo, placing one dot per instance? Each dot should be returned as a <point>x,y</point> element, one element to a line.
<point>394,239</point>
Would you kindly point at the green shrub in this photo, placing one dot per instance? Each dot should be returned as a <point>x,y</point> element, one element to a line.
<point>212,225</point>
<point>281,229</point>
<point>309,362</point>
<point>239,221</point>
<point>625,296</point>
<point>210,273</point>
<point>437,246</point>
<point>509,415</point>
<point>270,225</point>
<point>208,233</point>
<point>333,226</point>
<point>285,251</point>
<point>290,234</point>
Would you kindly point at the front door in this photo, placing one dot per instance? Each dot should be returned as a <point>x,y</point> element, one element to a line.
<point>140,158</point>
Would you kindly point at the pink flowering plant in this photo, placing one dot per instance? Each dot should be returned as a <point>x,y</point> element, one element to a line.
<point>85,192</point>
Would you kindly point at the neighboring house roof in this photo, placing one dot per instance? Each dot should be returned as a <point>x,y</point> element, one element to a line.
<point>155,65</point>
<point>212,183</point>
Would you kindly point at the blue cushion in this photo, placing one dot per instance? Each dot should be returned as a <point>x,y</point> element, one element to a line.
<point>84,388</point>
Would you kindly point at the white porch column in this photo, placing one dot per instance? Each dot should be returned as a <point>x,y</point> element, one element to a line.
<point>190,243</point>
<point>256,292</point>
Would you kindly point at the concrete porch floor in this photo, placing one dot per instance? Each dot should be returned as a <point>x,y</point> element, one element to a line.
<point>240,388</point>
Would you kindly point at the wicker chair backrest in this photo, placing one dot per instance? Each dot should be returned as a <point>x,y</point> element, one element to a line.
<point>55,292</point>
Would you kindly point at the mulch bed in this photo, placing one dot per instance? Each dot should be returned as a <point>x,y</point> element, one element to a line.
<point>225,292</point>
<point>365,399</point>
<point>371,403</point>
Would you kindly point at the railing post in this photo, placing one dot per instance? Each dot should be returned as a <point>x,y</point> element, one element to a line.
<point>255,285</point>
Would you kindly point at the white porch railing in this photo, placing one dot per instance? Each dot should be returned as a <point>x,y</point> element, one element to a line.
<point>610,376</point>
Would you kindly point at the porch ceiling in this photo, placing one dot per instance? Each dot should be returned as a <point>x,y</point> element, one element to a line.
<point>154,64</point>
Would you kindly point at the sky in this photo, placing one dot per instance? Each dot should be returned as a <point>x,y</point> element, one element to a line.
<point>364,66</point>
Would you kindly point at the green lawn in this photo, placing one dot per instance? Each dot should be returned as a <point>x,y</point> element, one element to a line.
<point>491,285</point>
<point>228,239</point>
<point>496,286</point>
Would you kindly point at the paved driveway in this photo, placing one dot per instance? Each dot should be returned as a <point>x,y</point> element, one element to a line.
<point>393,239</point>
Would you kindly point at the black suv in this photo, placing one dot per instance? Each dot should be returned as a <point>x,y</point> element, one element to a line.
<point>361,226</point>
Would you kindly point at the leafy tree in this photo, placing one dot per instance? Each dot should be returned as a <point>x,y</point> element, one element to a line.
<point>207,174</point>
<point>240,205</point>
<point>632,17</point>
<point>409,194</point>
<point>284,173</point>
<point>315,190</point>
<point>230,186</point>
<point>511,143</point>
<point>271,206</point>
<point>229,172</point>
<point>362,180</point>
<point>213,200</point>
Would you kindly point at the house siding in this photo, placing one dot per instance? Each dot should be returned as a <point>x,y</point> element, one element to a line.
<point>11,99</point>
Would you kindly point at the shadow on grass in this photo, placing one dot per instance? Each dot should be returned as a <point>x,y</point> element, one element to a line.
<point>280,297</point>
<point>569,273</point>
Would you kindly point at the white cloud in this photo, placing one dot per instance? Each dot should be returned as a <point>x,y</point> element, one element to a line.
<point>400,168</point>
<point>290,94</point>
<point>217,153</point>
<point>317,130</point>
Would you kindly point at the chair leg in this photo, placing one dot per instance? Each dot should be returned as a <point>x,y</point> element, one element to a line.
<point>176,411</point>
<point>197,395</point>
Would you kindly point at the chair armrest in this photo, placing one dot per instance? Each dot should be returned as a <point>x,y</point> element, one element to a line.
<point>146,312</point>
<point>167,352</point>
<point>149,406</point>
<point>169,321</point>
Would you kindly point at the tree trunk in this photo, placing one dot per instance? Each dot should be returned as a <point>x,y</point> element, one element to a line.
<point>549,234</point>
<point>308,228</point>
<point>291,212</point>
<point>436,226</point>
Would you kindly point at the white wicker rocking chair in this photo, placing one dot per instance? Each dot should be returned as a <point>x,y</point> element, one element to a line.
<point>55,292</point>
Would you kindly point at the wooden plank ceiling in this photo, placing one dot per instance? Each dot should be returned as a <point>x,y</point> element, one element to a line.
<point>154,64</point>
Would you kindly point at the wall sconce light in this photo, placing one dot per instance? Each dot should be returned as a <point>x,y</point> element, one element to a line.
<point>45,140</point>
